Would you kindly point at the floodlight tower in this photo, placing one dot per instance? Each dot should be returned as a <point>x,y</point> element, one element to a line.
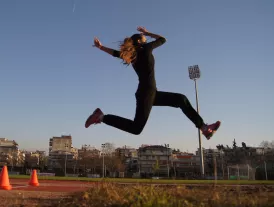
<point>194,74</point>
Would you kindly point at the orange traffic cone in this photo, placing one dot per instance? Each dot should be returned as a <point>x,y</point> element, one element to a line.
<point>4,180</point>
<point>34,180</point>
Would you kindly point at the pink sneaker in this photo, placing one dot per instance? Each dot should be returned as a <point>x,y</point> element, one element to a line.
<point>209,130</point>
<point>95,118</point>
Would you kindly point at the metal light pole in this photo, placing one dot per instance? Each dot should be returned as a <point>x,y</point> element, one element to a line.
<point>66,146</point>
<point>248,171</point>
<point>238,171</point>
<point>103,152</point>
<point>194,74</point>
<point>223,165</point>
<point>215,167</point>
<point>66,164</point>
<point>265,169</point>
<point>167,146</point>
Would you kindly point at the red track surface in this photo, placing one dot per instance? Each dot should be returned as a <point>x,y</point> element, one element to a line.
<point>51,185</point>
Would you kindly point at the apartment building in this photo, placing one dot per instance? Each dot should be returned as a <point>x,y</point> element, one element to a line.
<point>63,143</point>
<point>88,151</point>
<point>154,160</point>
<point>126,153</point>
<point>61,152</point>
<point>185,164</point>
<point>9,152</point>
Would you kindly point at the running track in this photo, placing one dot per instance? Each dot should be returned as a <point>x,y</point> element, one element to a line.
<point>51,185</point>
<point>73,186</point>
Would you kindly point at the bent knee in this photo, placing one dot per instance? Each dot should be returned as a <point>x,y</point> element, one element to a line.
<point>137,129</point>
<point>181,101</point>
<point>183,98</point>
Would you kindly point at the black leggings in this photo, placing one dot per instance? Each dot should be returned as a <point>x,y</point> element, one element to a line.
<point>145,101</point>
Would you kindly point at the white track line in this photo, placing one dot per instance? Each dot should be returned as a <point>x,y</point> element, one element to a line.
<point>23,186</point>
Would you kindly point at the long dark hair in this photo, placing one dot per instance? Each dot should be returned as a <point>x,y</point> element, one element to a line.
<point>129,47</point>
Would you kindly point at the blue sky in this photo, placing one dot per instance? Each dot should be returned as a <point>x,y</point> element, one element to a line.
<point>52,78</point>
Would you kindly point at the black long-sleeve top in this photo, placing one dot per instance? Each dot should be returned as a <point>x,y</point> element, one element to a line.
<point>144,64</point>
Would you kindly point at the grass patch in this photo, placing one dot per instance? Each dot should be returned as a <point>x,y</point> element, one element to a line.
<point>148,181</point>
<point>115,195</point>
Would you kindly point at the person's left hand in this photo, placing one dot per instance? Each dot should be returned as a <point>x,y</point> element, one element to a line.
<point>142,30</point>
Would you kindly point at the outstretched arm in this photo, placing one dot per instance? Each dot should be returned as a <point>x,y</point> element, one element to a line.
<point>160,40</point>
<point>110,51</point>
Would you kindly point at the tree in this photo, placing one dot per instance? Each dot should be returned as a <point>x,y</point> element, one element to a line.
<point>108,148</point>
<point>267,144</point>
<point>87,159</point>
<point>12,159</point>
<point>244,145</point>
<point>220,147</point>
<point>42,162</point>
<point>21,159</point>
<point>113,164</point>
<point>62,162</point>
<point>234,144</point>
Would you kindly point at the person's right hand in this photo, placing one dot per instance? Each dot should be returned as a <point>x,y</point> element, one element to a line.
<point>97,43</point>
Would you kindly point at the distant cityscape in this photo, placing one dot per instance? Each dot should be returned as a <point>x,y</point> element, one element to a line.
<point>160,161</point>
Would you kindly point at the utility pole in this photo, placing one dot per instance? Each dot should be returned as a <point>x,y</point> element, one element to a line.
<point>103,152</point>
<point>66,146</point>
<point>167,153</point>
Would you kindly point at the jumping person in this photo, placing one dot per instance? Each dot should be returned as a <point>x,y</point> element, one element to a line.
<point>136,51</point>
